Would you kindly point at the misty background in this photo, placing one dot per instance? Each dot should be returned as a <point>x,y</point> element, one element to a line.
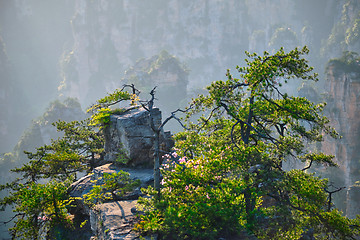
<point>58,57</point>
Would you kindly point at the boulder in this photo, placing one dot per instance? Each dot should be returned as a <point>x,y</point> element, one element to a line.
<point>130,136</point>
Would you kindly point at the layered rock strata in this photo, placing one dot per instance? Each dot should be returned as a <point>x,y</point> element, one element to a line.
<point>343,110</point>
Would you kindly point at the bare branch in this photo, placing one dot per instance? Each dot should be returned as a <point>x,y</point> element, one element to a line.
<point>132,86</point>
<point>176,118</point>
<point>309,166</point>
<point>268,136</point>
<point>232,132</point>
<point>10,220</point>
<point>330,196</point>
<point>205,121</point>
<point>239,85</point>
<point>242,124</point>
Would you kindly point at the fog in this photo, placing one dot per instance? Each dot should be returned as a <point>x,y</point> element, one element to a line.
<point>82,49</point>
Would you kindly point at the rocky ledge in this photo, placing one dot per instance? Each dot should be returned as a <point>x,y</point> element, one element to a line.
<point>128,137</point>
<point>112,220</point>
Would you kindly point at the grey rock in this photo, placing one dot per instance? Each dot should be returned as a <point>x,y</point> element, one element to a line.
<point>115,221</point>
<point>130,135</point>
<point>84,185</point>
<point>343,110</point>
<point>77,190</point>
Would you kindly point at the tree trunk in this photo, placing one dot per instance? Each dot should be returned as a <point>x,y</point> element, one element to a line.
<point>157,162</point>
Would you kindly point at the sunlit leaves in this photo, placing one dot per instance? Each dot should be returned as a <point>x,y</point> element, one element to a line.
<point>244,130</point>
<point>39,207</point>
<point>76,151</point>
<point>198,199</point>
<point>101,111</point>
<point>115,97</point>
<point>110,186</point>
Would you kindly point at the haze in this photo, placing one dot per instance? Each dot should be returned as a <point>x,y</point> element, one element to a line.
<point>77,48</point>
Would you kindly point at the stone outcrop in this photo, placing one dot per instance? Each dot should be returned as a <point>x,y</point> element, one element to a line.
<point>83,186</point>
<point>130,136</point>
<point>115,219</point>
<point>343,110</point>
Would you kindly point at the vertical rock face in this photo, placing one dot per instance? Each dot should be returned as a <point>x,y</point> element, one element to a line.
<point>110,36</point>
<point>344,35</point>
<point>210,36</point>
<point>13,104</point>
<point>130,136</point>
<point>343,88</point>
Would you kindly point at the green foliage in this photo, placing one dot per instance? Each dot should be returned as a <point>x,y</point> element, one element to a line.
<point>165,59</point>
<point>122,158</point>
<point>76,151</point>
<point>199,199</point>
<point>102,117</point>
<point>348,62</point>
<point>39,207</point>
<point>346,32</point>
<point>353,33</point>
<point>116,97</point>
<point>110,186</point>
<point>227,176</point>
<point>101,111</point>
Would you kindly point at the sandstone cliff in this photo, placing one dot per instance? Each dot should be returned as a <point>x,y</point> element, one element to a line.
<point>209,36</point>
<point>84,47</point>
<point>343,110</point>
